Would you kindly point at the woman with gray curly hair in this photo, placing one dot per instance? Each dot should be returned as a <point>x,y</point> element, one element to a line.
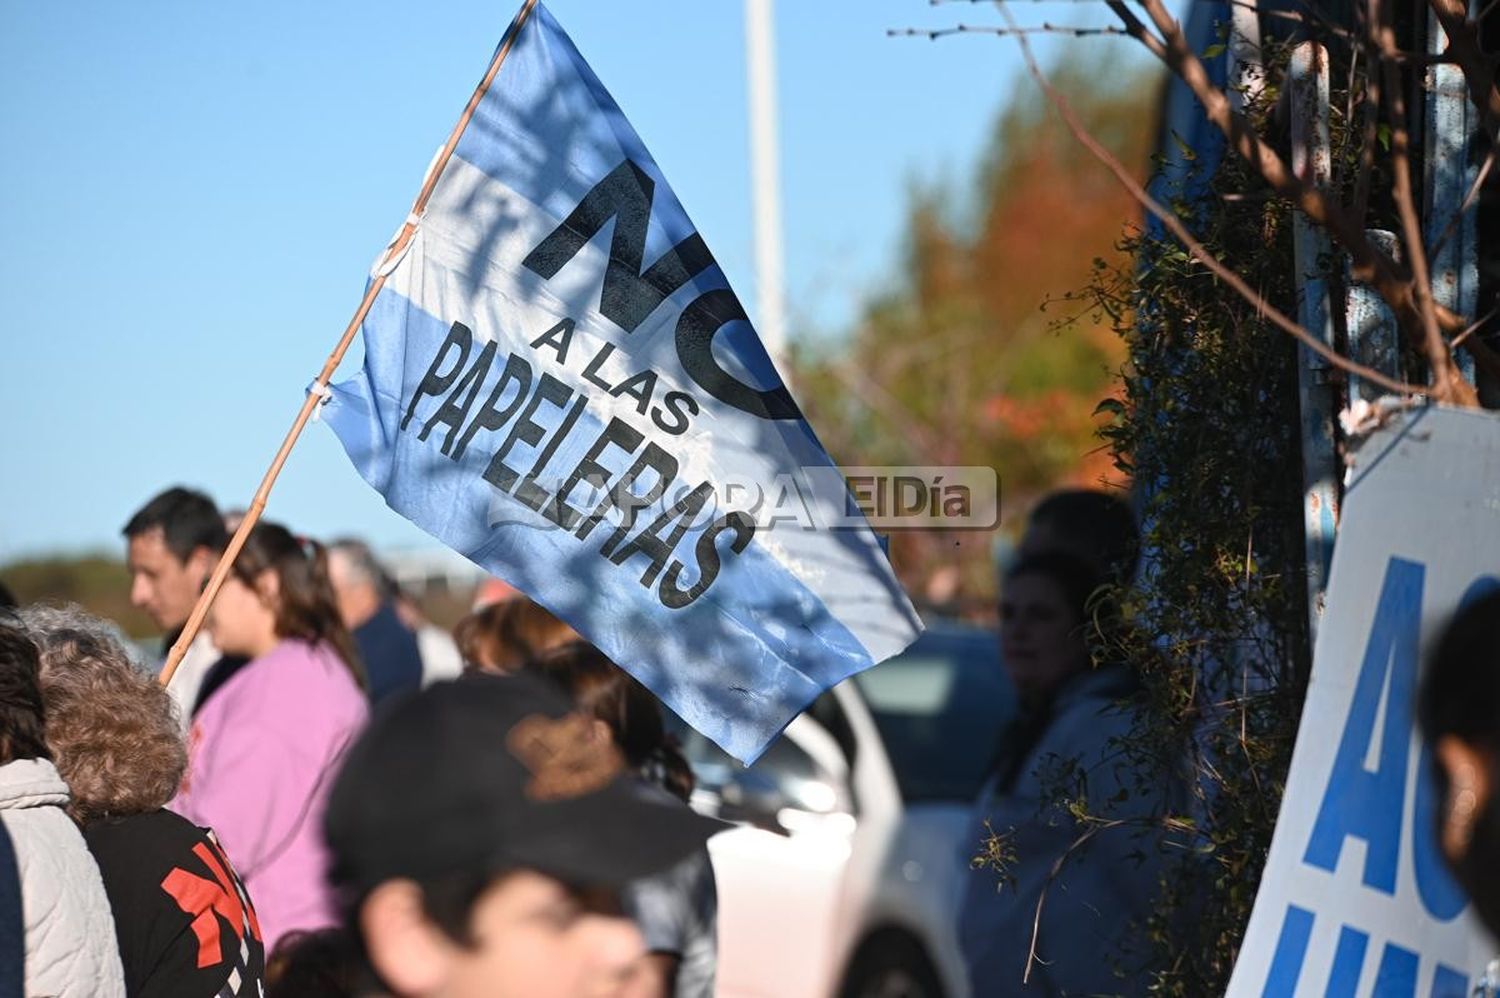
<point>184,922</point>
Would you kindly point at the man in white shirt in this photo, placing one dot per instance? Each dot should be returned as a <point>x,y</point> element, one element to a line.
<point>173,543</point>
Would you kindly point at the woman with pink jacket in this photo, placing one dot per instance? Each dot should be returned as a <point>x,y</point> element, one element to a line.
<point>263,751</point>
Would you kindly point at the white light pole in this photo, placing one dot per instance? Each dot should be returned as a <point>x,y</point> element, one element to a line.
<point>765,181</point>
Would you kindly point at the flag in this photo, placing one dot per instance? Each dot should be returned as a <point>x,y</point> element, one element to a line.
<point>560,384</point>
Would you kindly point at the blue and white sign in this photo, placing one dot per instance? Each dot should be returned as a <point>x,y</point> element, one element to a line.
<point>1355,899</point>
<point>560,384</point>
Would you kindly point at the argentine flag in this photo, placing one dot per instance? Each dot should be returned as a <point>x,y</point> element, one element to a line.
<point>560,384</point>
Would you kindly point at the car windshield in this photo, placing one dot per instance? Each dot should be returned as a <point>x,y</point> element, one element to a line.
<point>940,706</point>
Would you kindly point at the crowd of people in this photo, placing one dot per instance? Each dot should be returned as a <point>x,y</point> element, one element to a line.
<point>328,798</point>
<point>333,797</point>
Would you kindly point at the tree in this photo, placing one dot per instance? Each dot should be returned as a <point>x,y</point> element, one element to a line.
<point>962,361</point>
<point>1208,419</point>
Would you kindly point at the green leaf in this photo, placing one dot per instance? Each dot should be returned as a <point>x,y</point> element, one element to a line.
<point>1214,51</point>
<point>1383,136</point>
<point>1188,153</point>
<point>1112,406</point>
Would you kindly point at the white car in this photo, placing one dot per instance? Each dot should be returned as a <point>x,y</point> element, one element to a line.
<point>845,874</point>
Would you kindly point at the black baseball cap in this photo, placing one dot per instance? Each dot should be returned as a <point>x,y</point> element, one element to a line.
<point>494,773</point>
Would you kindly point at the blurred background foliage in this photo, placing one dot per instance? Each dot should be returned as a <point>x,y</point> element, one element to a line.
<point>981,351</point>
<point>97,581</point>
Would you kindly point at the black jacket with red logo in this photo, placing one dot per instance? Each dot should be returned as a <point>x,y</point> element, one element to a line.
<point>185,925</point>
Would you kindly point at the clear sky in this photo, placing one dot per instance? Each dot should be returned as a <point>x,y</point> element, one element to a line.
<point>194,191</point>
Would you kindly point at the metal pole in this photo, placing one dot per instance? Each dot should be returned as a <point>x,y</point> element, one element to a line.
<point>1312,162</point>
<point>1450,173</point>
<point>1373,334</point>
<point>765,181</point>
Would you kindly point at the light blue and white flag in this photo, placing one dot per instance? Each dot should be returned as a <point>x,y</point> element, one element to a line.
<point>560,384</point>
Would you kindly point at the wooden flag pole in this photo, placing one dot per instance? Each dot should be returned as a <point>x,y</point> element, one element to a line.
<point>315,397</point>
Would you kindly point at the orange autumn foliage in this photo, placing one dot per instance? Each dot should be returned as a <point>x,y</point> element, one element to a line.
<point>970,357</point>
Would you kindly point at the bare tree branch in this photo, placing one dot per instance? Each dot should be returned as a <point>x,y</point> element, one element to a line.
<point>1401,284</point>
<point>1134,28</point>
<point>879,399</point>
<point>1448,384</point>
<point>1045,28</point>
<point>1484,355</point>
<point>1474,327</point>
<point>1174,224</point>
<point>1036,921</point>
<point>1368,263</point>
<point>1371,129</point>
<point>1479,72</point>
<point>1349,91</point>
<point>1468,202</point>
<point>1313,17</point>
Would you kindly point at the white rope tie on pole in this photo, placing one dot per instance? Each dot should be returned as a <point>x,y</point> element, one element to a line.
<point>389,260</point>
<point>324,393</point>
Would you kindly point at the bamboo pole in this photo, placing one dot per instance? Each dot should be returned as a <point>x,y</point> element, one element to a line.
<point>396,248</point>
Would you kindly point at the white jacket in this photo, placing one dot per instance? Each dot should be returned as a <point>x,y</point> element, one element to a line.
<point>187,681</point>
<point>439,655</point>
<point>70,934</point>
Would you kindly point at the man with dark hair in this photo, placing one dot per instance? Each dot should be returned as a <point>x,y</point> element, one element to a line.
<point>366,599</point>
<point>70,934</point>
<point>173,543</point>
<point>479,835</point>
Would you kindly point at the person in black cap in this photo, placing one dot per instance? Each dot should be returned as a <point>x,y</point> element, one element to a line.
<point>478,837</point>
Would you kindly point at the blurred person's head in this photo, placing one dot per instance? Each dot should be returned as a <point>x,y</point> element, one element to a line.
<point>360,585</point>
<point>503,637</point>
<point>623,711</point>
<point>1458,709</point>
<point>112,728</point>
<point>279,589</point>
<point>172,544</point>
<point>478,837</point>
<point>1043,602</point>
<point>1092,526</point>
<point>492,590</point>
<point>23,729</point>
<point>318,963</point>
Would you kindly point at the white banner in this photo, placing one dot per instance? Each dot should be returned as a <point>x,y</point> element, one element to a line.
<point>1355,899</point>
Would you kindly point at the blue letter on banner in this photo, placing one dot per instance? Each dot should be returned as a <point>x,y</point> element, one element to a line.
<point>1291,950</point>
<point>1397,975</point>
<point>1358,802</point>
<point>1348,962</point>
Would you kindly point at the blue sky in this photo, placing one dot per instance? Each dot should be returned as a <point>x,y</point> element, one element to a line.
<point>195,190</point>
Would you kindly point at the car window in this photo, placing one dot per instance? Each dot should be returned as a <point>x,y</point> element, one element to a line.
<point>940,707</point>
<point>827,712</point>
<point>786,776</point>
